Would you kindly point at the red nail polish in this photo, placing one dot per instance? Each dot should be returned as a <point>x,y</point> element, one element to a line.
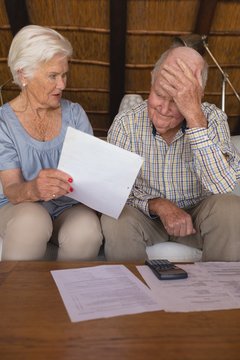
<point>71,189</point>
<point>70,180</point>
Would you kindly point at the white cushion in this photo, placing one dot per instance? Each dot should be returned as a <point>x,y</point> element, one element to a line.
<point>236,142</point>
<point>236,190</point>
<point>129,101</point>
<point>173,251</point>
<point>168,250</point>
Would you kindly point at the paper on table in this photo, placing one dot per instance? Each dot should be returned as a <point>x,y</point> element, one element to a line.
<point>103,174</point>
<point>206,288</point>
<point>103,291</point>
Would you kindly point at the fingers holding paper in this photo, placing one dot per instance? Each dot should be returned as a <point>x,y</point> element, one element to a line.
<point>51,184</point>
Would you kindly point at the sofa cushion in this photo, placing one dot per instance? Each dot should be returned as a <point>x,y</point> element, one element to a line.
<point>174,252</point>
<point>129,101</point>
<point>236,142</point>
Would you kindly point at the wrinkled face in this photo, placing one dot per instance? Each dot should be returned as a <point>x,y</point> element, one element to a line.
<point>48,81</point>
<point>162,110</point>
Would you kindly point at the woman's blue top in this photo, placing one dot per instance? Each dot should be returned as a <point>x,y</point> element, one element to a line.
<point>18,150</point>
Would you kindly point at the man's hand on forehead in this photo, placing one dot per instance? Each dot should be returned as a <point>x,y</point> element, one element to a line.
<point>178,76</point>
<point>181,83</point>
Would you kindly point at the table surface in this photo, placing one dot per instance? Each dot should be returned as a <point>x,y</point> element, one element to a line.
<point>35,325</point>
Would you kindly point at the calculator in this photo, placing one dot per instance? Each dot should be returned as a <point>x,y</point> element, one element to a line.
<point>166,270</point>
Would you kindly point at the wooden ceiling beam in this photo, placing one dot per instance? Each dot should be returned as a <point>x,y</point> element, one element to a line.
<point>17,14</point>
<point>205,16</point>
<point>118,20</point>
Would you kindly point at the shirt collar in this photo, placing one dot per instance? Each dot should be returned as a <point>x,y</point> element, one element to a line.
<point>183,128</point>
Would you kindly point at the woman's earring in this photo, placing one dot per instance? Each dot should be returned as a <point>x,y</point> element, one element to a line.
<point>24,85</point>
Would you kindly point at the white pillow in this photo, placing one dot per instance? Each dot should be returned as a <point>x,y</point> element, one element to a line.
<point>174,252</point>
<point>129,101</point>
<point>236,141</point>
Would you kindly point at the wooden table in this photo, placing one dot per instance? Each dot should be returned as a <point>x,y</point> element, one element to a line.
<point>35,325</point>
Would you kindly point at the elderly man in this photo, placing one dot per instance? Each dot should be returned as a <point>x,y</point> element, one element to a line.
<point>190,166</point>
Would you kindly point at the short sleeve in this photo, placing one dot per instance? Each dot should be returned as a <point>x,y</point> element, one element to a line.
<point>80,118</point>
<point>8,155</point>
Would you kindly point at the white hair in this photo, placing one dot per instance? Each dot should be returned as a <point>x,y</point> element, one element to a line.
<point>34,45</point>
<point>164,56</point>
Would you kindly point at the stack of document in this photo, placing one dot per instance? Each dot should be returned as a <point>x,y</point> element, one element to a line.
<point>112,290</point>
<point>209,286</point>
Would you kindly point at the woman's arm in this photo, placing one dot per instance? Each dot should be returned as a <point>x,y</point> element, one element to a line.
<point>48,184</point>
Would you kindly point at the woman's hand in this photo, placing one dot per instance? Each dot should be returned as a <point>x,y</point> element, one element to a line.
<point>51,184</point>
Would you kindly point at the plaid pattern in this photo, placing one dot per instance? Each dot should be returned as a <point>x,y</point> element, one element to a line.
<point>198,162</point>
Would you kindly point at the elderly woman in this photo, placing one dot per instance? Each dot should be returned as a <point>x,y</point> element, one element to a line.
<point>33,205</point>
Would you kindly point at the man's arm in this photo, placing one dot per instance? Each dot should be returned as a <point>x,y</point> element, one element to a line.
<point>215,164</point>
<point>176,221</point>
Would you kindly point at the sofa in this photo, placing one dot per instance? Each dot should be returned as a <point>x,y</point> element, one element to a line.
<point>168,250</point>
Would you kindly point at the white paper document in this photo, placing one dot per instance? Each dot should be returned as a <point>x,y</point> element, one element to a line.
<point>209,286</point>
<point>103,174</point>
<point>103,291</point>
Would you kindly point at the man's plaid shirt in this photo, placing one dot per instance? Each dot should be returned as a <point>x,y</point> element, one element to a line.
<point>197,163</point>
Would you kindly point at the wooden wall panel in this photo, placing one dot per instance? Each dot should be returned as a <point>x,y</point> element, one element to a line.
<point>88,76</point>
<point>224,43</point>
<point>86,96</point>
<point>5,73</point>
<point>138,81</point>
<point>232,105</point>
<point>145,50</point>
<point>80,13</point>
<point>96,109</point>
<point>170,16</point>
<point>89,46</point>
<point>5,41</point>
<point>151,28</point>
<point>86,25</point>
<point>225,48</point>
<point>3,14</point>
<point>215,78</point>
<point>226,17</point>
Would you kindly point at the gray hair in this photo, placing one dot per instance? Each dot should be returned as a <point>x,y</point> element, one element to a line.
<point>34,45</point>
<point>164,56</point>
